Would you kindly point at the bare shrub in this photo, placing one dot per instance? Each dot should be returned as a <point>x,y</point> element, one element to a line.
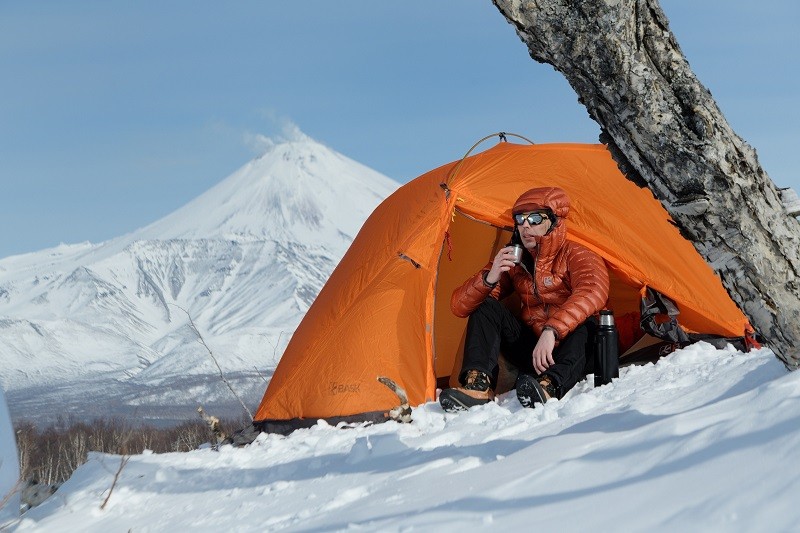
<point>50,455</point>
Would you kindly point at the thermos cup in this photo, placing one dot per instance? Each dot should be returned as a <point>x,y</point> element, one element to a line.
<point>517,253</point>
<point>606,354</point>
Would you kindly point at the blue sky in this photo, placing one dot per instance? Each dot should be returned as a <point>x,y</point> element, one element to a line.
<point>114,114</point>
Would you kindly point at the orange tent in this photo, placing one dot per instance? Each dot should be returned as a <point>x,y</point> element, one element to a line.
<point>385,311</point>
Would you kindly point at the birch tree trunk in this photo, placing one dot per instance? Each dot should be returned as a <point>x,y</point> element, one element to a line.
<point>666,132</point>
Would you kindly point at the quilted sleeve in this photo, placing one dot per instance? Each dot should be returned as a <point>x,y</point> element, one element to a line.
<point>474,291</point>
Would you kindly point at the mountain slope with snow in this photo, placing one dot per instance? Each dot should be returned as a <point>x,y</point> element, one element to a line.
<point>704,440</point>
<point>110,322</point>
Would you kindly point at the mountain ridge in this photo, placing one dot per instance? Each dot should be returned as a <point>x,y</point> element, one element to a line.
<point>118,311</point>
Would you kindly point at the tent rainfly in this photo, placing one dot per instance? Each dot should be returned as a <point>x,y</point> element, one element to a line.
<point>385,311</point>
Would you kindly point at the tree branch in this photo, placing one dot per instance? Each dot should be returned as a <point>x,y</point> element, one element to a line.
<point>210,353</point>
<point>123,461</point>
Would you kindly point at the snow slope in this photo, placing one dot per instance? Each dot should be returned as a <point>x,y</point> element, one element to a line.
<point>9,464</point>
<point>109,322</point>
<point>704,440</point>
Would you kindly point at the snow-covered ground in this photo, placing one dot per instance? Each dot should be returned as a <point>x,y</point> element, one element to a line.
<point>704,440</point>
<point>9,465</point>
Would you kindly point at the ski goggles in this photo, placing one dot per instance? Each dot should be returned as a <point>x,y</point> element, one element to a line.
<point>534,218</point>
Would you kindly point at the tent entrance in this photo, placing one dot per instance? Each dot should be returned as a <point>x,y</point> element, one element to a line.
<point>472,244</point>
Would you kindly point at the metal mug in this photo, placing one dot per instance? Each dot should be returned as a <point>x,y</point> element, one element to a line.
<point>517,250</point>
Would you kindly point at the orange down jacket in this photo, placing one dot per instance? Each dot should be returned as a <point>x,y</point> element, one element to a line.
<point>568,284</point>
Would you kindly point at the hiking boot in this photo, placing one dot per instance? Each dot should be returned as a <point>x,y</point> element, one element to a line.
<point>476,391</point>
<point>532,390</point>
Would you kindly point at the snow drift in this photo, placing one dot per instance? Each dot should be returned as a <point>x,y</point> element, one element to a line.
<point>704,440</point>
<point>9,464</point>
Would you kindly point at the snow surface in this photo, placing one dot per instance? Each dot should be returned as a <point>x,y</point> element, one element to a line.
<point>9,464</point>
<point>704,440</point>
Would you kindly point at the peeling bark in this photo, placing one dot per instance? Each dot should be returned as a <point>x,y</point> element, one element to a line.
<point>666,132</point>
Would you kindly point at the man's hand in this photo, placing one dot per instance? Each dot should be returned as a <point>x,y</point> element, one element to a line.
<point>503,262</point>
<point>543,351</point>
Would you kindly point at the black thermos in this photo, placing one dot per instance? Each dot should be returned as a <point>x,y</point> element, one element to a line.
<point>606,350</point>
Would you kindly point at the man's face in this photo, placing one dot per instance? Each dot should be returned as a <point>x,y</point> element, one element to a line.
<point>530,234</point>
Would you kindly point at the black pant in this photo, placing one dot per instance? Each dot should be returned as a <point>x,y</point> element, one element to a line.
<point>492,328</point>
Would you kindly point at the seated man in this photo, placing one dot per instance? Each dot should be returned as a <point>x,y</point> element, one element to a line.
<point>560,284</point>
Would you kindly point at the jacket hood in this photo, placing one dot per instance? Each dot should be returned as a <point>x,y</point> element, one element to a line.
<point>556,200</point>
<point>552,198</point>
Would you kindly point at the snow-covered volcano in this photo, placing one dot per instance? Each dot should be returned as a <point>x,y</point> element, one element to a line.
<point>299,191</point>
<point>93,329</point>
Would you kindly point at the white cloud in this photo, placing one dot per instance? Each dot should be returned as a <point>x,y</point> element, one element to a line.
<point>258,142</point>
<point>289,132</point>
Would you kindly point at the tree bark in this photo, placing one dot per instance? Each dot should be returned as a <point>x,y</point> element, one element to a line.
<point>666,132</point>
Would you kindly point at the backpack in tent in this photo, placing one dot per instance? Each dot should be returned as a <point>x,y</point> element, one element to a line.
<point>385,311</point>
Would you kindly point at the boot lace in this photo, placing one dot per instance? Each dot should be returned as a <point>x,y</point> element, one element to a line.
<point>547,384</point>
